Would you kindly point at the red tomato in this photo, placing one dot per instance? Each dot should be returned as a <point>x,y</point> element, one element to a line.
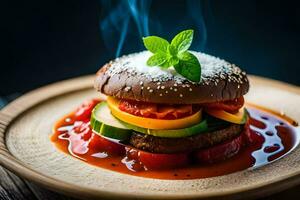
<point>252,136</point>
<point>231,106</point>
<point>98,143</point>
<point>222,151</point>
<point>83,112</point>
<point>84,129</point>
<point>156,111</point>
<point>158,161</point>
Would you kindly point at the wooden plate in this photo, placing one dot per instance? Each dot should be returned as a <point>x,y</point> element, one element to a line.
<point>25,149</point>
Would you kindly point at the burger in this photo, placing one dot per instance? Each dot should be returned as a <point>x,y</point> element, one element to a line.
<point>159,109</point>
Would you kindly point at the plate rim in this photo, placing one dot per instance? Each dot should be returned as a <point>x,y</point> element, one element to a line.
<point>10,112</point>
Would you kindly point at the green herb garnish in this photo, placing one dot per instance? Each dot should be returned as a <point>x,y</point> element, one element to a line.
<point>175,54</point>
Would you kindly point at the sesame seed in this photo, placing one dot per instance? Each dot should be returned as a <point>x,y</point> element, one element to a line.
<point>141,83</point>
<point>142,88</point>
<point>160,94</point>
<point>162,87</point>
<point>213,68</point>
<point>158,87</point>
<point>151,91</point>
<point>175,89</point>
<point>167,92</point>
<point>171,88</point>
<point>148,88</point>
<point>127,89</point>
<point>181,95</point>
<point>190,89</point>
<point>238,86</point>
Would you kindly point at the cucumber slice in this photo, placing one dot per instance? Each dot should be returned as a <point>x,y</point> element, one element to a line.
<point>175,133</point>
<point>105,124</point>
<point>245,117</point>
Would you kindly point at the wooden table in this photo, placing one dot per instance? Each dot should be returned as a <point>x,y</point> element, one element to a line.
<point>14,188</point>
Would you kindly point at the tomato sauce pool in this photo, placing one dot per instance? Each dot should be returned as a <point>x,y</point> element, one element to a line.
<point>273,136</point>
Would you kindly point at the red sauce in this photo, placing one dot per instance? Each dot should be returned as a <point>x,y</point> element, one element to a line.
<point>272,137</point>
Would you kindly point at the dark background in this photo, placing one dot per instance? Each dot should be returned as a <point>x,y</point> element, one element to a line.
<point>46,41</point>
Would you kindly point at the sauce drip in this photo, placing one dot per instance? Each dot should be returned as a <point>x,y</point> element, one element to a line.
<point>272,137</point>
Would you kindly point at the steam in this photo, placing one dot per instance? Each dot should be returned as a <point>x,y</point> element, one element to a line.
<point>140,12</point>
<point>116,24</point>
<point>125,23</point>
<point>194,9</point>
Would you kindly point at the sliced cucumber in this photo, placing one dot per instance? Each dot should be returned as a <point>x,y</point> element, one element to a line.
<point>105,124</point>
<point>175,133</point>
<point>245,117</point>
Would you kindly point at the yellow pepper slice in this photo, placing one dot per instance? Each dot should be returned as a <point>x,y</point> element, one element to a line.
<point>151,123</point>
<point>237,118</point>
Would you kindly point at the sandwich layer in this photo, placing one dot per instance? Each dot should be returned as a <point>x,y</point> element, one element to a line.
<point>129,77</point>
<point>154,144</point>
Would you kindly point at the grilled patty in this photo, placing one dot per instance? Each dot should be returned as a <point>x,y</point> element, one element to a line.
<point>176,145</point>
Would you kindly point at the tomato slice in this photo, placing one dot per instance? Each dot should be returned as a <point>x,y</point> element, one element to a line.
<point>151,123</point>
<point>98,143</point>
<point>253,137</point>
<point>223,151</point>
<point>156,111</point>
<point>231,106</point>
<point>83,112</point>
<point>157,161</point>
<point>83,129</point>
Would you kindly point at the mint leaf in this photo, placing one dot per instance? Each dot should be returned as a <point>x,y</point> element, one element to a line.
<point>170,61</point>
<point>156,59</point>
<point>172,50</point>
<point>175,54</point>
<point>189,67</point>
<point>171,57</point>
<point>183,40</point>
<point>156,44</point>
<point>173,61</point>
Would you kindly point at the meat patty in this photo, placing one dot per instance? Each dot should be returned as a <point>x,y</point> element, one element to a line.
<point>176,145</point>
